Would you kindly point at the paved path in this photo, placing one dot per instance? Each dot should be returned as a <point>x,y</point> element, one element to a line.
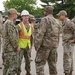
<point>59,63</point>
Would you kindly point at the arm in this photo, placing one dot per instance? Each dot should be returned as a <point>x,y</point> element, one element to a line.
<point>13,35</point>
<point>72,27</point>
<point>40,34</point>
<point>1,24</point>
<point>18,27</point>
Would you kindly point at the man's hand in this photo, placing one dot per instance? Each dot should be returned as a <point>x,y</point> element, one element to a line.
<point>18,49</point>
<point>71,41</point>
<point>36,47</point>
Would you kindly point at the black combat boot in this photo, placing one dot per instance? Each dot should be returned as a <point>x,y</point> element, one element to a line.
<point>70,73</point>
<point>67,73</point>
<point>28,73</point>
<point>0,67</point>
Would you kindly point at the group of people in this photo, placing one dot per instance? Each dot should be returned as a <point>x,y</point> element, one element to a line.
<point>18,41</point>
<point>47,40</point>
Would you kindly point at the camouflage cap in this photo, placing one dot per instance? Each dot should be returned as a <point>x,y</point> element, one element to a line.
<point>32,17</point>
<point>13,11</point>
<point>62,12</point>
<point>49,8</point>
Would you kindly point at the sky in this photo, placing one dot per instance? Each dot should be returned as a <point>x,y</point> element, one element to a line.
<point>1,5</point>
<point>2,8</point>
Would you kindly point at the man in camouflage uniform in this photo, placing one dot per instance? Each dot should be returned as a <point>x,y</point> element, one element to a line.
<point>11,49</point>
<point>1,23</point>
<point>68,37</point>
<point>46,43</point>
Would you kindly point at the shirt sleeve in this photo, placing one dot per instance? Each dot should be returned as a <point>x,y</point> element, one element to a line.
<point>1,24</point>
<point>71,25</point>
<point>13,35</point>
<point>18,27</point>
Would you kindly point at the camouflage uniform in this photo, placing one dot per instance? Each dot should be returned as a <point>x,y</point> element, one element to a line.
<point>10,37</point>
<point>68,33</point>
<point>26,53</point>
<point>32,21</point>
<point>36,29</point>
<point>47,42</point>
<point>1,21</point>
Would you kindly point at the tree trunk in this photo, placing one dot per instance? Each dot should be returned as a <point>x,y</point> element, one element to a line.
<point>62,1</point>
<point>48,3</point>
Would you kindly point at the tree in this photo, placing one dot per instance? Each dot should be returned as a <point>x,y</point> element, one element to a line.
<point>68,5</point>
<point>20,5</point>
<point>53,1</point>
<point>38,12</point>
<point>70,8</point>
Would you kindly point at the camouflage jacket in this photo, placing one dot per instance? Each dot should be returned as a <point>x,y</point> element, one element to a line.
<point>36,29</point>
<point>1,24</point>
<point>48,35</point>
<point>10,36</point>
<point>68,30</point>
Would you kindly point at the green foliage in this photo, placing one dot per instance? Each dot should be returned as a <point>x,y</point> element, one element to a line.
<point>47,1</point>
<point>38,12</point>
<point>52,1</point>
<point>20,5</point>
<point>68,5</point>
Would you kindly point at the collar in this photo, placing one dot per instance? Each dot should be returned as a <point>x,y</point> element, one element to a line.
<point>65,21</point>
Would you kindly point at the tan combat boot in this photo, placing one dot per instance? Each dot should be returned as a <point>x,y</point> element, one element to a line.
<point>70,73</point>
<point>0,67</point>
<point>28,73</point>
<point>66,73</point>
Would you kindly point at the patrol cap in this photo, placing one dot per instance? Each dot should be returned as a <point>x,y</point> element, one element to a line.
<point>24,12</point>
<point>32,17</point>
<point>62,12</point>
<point>13,11</point>
<point>49,8</point>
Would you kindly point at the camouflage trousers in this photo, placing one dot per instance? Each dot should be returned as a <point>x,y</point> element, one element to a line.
<point>0,42</point>
<point>27,54</point>
<point>68,57</point>
<point>11,63</point>
<point>43,55</point>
